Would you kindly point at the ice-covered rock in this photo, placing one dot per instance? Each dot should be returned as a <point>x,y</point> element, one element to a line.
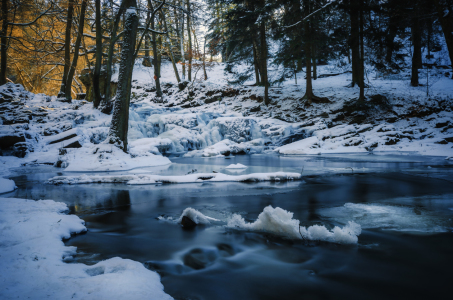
<point>7,185</point>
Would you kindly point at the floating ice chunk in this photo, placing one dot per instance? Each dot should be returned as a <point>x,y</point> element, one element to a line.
<point>236,166</point>
<point>7,185</point>
<point>280,222</point>
<point>196,216</point>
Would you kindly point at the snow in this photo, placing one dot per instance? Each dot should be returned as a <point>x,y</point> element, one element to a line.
<point>306,146</point>
<point>196,216</point>
<point>106,157</point>
<point>33,259</point>
<point>189,178</point>
<point>236,166</point>
<point>7,185</point>
<point>280,222</point>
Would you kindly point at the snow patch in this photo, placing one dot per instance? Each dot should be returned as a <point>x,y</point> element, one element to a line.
<point>7,185</point>
<point>236,166</point>
<point>32,259</point>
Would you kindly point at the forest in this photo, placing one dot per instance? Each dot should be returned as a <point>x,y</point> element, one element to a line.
<point>226,149</point>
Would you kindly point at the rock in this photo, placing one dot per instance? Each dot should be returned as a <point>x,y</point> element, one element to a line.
<point>198,259</point>
<point>21,149</point>
<point>187,223</point>
<point>7,141</point>
<point>182,85</point>
<point>255,109</point>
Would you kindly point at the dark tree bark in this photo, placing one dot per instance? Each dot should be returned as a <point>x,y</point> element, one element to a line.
<point>354,41</point>
<point>97,65</point>
<point>190,42</point>
<point>155,54</point>
<point>106,105</point>
<point>417,44</point>
<point>389,39</point>
<point>67,50</point>
<point>362,57</point>
<point>120,119</point>
<point>147,58</point>
<point>445,13</point>
<point>76,51</point>
<point>4,41</point>
<point>263,53</point>
<point>257,68</point>
<point>169,45</point>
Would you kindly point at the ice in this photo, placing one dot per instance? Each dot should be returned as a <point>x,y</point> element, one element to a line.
<point>389,217</point>
<point>32,259</point>
<point>7,185</point>
<point>280,222</point>
<point>137,179</point>
<point>236,166</point>
<point>196,216</point>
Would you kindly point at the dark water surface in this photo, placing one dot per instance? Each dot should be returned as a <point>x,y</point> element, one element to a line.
<point>404,204</point>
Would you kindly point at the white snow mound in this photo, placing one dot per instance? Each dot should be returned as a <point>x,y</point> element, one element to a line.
<point>32,259</point>
<point>280,222</point>
<point>7,185</point>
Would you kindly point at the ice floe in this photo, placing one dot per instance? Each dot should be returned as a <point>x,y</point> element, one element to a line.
<point>280,222</point>
<point>236,166</point>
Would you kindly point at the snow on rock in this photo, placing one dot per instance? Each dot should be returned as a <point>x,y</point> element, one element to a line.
<point>196,216</point>
<point>143,147</point>
<point>7,185</point>
<point>32,259</point>
<point>106,157</point>
<point>189,178</point>
<point>236,166</point>
<point>280,222</point>
<point>306,146</point>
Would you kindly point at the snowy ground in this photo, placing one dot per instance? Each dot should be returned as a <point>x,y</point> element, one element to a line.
<point>33,259</point>
<point>211,118</point>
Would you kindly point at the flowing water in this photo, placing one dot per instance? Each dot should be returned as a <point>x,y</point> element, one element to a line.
<point>404,204</point>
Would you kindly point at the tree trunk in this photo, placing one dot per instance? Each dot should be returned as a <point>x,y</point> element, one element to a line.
<point>315,66</point>
<point>147,59</point>
<point>445,13</point>
<point>4,41</point>
<point>189,71</point>
<point>257,69</point>
<point>204,60</point>
<point>389,39</point>
<point>106,106</point>
<point>181,40</point>
<point>417,43</point>
<point>264,62</point>
<point>120,118</point>
<point>97,65</point>
<point>67,49</point>
<point>309,87</point>
<point>354,42</point>
<point>155,57</point>
<point>169,45</point>
<point>76,50</point>
<point>362,58</point>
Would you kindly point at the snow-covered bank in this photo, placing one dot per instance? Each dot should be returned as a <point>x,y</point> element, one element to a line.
<point>280,222</point>
<point>189,178</point>
<point>32,257</point>
<point>6,185</point>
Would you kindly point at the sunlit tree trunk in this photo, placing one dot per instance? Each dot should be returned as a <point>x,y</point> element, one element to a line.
<point>97,65</point>
<point>67,49</point>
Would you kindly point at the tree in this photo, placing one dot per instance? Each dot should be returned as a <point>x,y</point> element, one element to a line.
<point>445,14</point>
<point>120,119</point>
